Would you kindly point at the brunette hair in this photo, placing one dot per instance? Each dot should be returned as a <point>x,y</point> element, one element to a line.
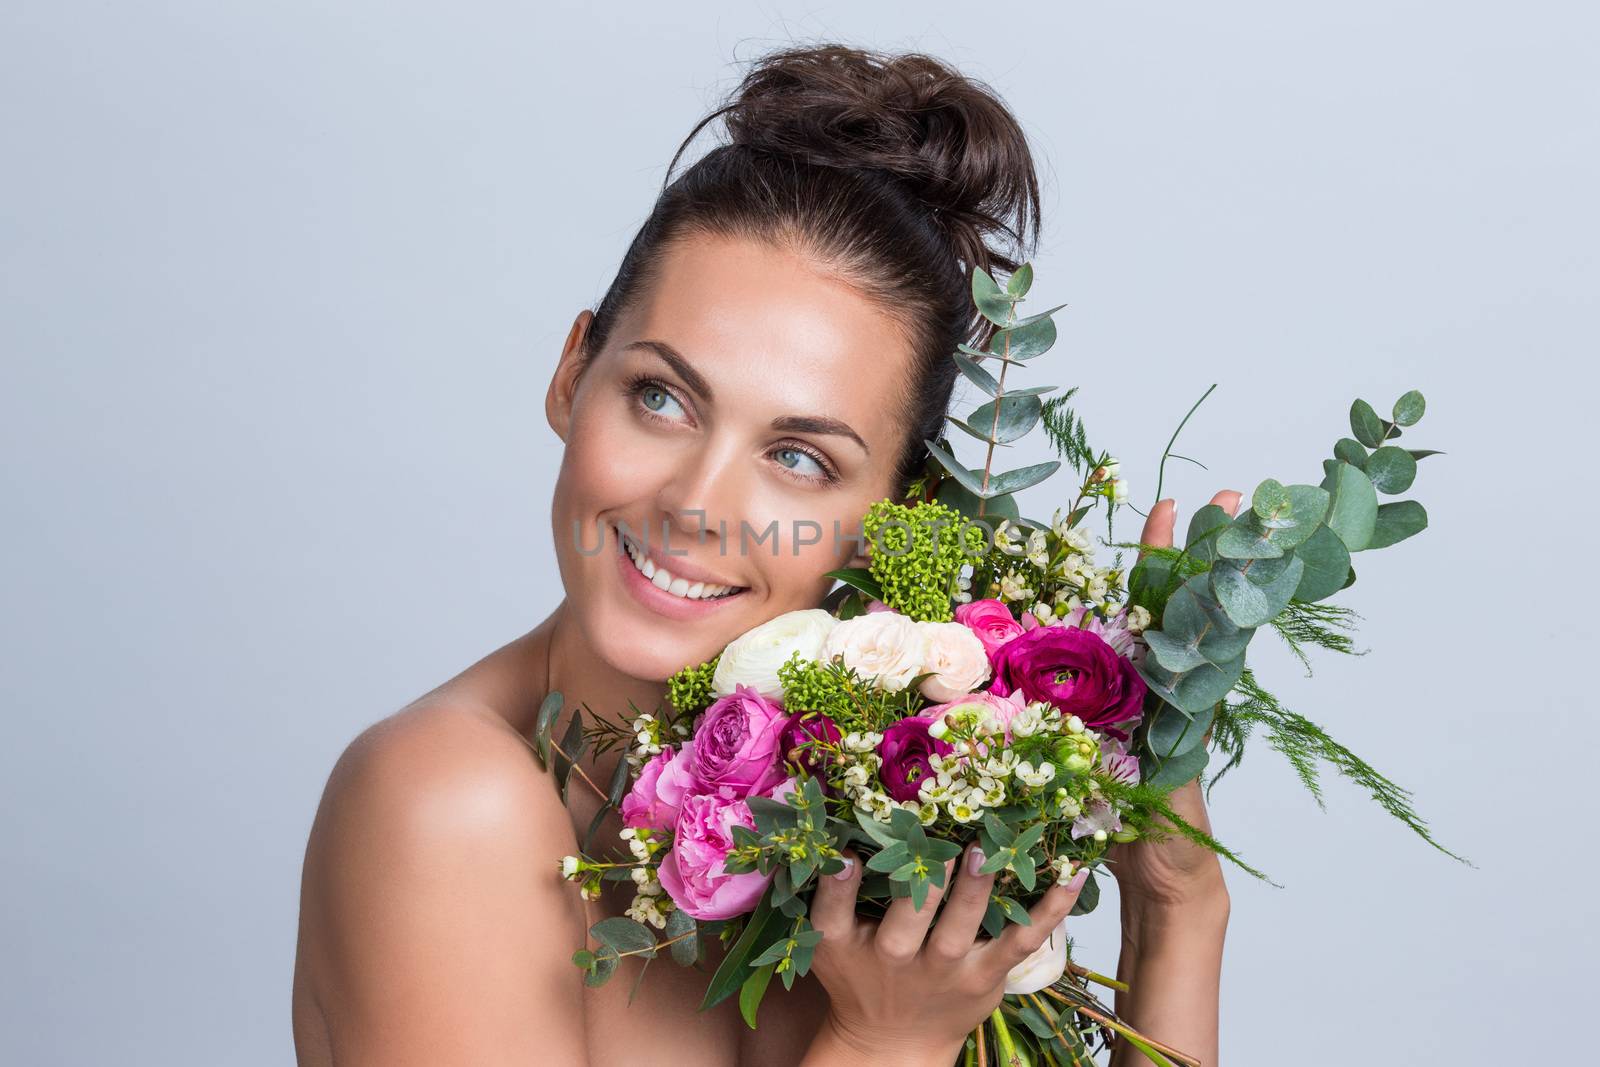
<point>896,170</point>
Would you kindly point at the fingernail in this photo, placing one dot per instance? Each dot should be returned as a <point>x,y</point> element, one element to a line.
<point>1075,883</point>
<point>843,874</point>
<point>975,858</point>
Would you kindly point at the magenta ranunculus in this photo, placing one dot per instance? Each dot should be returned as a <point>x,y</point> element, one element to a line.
<point>1075,670</point>
<point>905,749</point>
<point>692,870</point>
<point>736,745</point>
<point>645,806</point>
<point>801,739</point>
<point>991,621</point>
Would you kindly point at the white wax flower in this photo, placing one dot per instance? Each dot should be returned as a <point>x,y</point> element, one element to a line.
<point>753,658</point>
<point>1048,962</point>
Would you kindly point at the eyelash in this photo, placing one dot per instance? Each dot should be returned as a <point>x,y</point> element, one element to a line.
<point>635,385</point>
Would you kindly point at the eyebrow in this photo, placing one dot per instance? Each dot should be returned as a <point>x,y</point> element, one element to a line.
<point>697,383</point>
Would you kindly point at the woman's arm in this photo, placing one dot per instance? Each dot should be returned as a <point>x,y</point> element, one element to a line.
<point>1172,936</point>
<point>1174,906</point>
<point>435,927</point>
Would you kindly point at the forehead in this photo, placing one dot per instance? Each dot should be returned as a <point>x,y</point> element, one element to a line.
<point>773,331</point>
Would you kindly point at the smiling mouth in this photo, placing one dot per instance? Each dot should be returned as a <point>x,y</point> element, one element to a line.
<point>663,578</point>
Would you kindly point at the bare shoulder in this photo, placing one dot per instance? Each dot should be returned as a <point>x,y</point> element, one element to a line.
<point>432,909</point>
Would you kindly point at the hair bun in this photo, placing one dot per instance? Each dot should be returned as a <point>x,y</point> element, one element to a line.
<point>949,138</point>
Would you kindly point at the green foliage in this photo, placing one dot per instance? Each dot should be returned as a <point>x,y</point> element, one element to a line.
<point>1065,429</point>
<point>1305,744</point>
<point>689,690</point>
<point>916,553</point>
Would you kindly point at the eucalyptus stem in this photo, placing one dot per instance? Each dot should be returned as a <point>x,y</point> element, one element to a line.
<point>999,394</point>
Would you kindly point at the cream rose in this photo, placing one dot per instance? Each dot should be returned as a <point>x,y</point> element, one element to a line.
<point>957,659</point>
<point>881,645</point>
<point>753,658</point>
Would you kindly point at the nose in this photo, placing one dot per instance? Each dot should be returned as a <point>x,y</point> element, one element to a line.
<point>699,501</point>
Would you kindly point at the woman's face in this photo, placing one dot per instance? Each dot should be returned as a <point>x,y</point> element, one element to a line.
<point>741,412</point>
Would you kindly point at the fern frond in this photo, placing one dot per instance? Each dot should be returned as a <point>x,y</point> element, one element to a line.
<point>1303,743</point>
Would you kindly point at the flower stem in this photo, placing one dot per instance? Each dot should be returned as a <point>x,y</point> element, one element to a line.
<point>1002,1038</point>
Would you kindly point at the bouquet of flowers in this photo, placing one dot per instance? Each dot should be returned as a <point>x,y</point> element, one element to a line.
<point>984,678</point>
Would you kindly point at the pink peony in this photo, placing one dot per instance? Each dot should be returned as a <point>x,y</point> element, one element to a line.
<point>737,745</point>
<point>692,870</point>
<point>645,805</point>
<point>991,621</point>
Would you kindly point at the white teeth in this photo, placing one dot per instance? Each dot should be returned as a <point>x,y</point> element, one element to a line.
<point>662,578</point>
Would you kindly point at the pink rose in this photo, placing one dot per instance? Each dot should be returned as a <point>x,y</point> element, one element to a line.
<point>692,870</point>
<point>991,621</point>
<point>737,745</point>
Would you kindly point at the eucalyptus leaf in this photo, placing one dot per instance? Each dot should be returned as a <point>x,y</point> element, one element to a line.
<point>1180,769</point>
<point>1193,691</point>
<point>1351,451</point>
<point>1270,502</point>
<point>1408,409</point>
<point>992,302</point>
<point>1021,281</point>
<point>1397,521</point>
<point>1204,527</point>
<point>1013,481</point>
<point>1250,603</point>
<point>1352,506</point>
<point>953,494</point>
<point>1006,419</point>
<point>1392,470</point>
<point>1024,342</point>
<point>1327,564</point>
<point>976,374</point>
<point>624,935</point>
<point>1171,733</point>
<point>968,480</point>
<point>1365,424</point>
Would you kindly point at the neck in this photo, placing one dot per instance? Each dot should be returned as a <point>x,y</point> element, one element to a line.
<point>584,680</point>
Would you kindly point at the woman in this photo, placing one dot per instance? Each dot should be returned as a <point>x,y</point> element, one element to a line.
<point>771,354</point>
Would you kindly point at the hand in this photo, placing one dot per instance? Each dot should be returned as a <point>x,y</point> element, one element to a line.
<point>1174,871</point>
<point>901,995</point>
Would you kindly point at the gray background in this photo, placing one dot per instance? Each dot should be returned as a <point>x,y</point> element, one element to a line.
<point>283,286</point>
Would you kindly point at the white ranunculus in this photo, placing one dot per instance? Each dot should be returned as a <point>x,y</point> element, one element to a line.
<point>956,657</point>
<point>753,658</point>
<point>882,645</point>
<point>1047,963</point>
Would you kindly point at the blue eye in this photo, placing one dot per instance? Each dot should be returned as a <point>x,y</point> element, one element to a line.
<point>801,456</point>
<point>656,399</point>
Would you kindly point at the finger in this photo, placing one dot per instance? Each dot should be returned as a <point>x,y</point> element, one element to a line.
<point>904,925</point>
<point>1228,500</point>
<point>958,923</point>
<point>1158,524</point>
<point>833,905</point>
<point>1020,942</point>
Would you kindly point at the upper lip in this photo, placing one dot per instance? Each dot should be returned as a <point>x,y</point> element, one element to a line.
<point>680,567</point>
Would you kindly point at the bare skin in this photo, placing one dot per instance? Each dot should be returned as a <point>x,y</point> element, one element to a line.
<point>435,928</point>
